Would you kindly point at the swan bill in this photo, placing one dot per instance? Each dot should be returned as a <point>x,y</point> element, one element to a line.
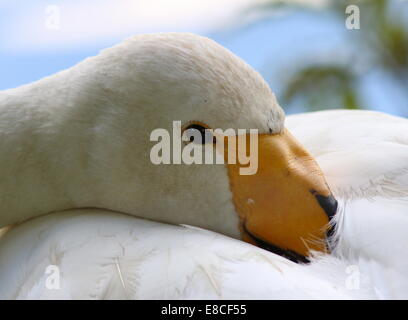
<point>286,205</point>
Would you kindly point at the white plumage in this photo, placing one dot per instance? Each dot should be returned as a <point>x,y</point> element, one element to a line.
<point>104,254</point>
<point>364,156</point>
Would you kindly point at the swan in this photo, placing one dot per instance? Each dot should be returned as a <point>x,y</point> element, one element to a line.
<point>81,139</point>
<point>127,257</point>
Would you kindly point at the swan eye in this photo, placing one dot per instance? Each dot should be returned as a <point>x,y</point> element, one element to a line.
<point>198,133</point>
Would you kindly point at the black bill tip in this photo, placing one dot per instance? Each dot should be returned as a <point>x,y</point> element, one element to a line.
<point>328,203</point>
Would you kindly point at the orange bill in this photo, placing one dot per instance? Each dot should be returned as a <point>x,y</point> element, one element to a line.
<point>286,205</point>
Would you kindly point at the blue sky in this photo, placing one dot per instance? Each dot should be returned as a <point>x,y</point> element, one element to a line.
<point>274,46</point>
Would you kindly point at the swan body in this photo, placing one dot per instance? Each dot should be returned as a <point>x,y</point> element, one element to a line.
<point>364,156</point>
<point>105,255</point>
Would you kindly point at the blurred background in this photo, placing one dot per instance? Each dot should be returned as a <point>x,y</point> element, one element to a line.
<point>303,48</point>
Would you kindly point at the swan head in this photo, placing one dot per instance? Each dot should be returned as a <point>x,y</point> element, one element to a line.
<point>177,82</point>
<point>169,80</point>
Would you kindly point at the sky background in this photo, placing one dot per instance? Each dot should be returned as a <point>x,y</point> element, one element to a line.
<point>39,38</point>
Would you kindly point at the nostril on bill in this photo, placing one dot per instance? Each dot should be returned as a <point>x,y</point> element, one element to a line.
<point>329,204</point>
